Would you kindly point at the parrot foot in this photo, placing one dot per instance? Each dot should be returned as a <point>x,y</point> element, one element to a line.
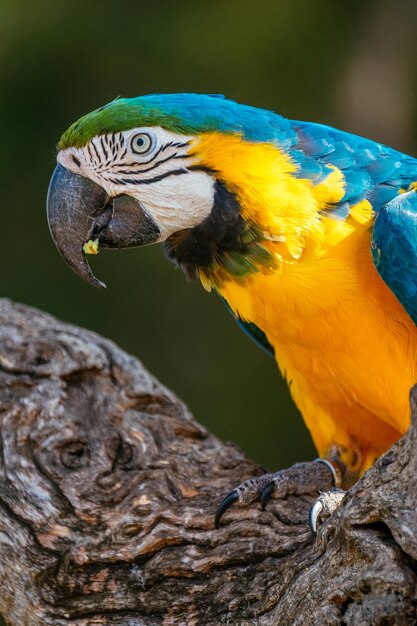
<point>246,493</point>
<point>311,477</point>
<point>324,506</point>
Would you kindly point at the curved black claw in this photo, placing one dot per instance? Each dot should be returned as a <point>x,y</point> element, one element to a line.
<point>225,504</point>
<point>266,494</point>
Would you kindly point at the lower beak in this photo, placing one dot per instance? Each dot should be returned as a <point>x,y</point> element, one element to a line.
<point>79,210</point>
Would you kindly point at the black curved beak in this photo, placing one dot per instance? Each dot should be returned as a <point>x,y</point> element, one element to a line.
<point>79,210</point>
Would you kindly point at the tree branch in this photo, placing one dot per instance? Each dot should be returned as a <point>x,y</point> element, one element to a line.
<point>108,488</point>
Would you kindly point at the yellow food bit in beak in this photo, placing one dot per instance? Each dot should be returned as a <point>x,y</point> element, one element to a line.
<point>91,247</point>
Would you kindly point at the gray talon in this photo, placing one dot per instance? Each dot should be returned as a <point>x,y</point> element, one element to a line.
<point>314,514</point>
<point>324,506</point>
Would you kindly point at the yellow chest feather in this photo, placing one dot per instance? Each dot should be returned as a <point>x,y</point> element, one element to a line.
<point>341,338</point>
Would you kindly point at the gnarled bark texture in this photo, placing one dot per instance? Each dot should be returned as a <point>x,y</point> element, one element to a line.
<point>107,493</point>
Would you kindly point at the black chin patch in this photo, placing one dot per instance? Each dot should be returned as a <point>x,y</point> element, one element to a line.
<point>221,232</point>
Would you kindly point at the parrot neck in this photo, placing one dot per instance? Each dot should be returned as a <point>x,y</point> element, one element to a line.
<point>223,245</point>
<point>264,216</point>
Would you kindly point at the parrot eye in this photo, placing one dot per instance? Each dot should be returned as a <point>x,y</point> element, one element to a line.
<point>141,143</point>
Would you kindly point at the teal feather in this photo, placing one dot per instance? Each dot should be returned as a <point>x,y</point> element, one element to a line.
<point>253,331</point>
<point>394,249</point>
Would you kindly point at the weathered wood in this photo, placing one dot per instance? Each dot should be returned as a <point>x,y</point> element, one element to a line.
<point>107,493</point>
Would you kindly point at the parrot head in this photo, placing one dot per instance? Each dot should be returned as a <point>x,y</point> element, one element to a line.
<point>173,168</point>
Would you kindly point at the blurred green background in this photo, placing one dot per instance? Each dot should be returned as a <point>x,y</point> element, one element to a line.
<point>350,64</point>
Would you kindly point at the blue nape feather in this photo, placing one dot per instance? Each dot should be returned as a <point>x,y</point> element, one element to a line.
<point>214,112</point>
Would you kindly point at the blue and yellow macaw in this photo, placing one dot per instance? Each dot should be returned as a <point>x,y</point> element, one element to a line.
<point>307,232</point>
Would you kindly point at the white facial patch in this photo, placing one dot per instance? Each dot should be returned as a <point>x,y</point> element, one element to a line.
<point>179,202</point>
<point>153,165</point>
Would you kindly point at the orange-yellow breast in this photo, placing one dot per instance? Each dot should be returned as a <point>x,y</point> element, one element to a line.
<point>341,338</point>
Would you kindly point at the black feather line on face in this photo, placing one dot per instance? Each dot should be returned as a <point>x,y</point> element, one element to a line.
<point>221,232</point>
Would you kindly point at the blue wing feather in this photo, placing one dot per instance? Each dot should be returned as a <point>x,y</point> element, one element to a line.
<point>257,335</point>
<point>371,170</point>
<point>394,249</point>
<point>382,175</point>
<point>253,331</point>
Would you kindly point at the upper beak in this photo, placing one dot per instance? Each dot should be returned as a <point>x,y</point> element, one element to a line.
<point>78,210</point>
